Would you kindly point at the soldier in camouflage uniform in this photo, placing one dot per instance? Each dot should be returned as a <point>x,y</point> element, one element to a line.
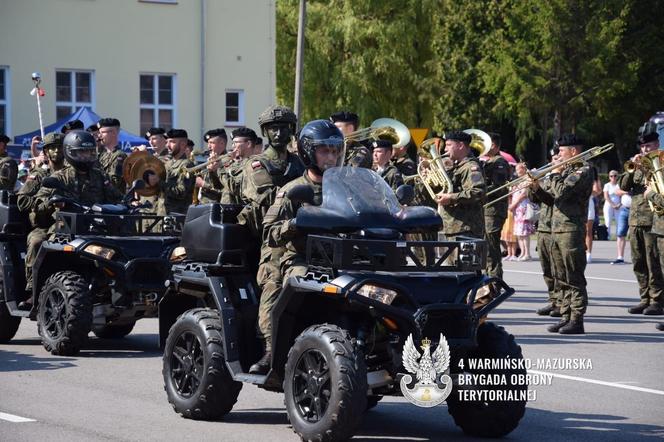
<point>26,203</point>
<point>112,157</point>
<point>8,166</point>
<point>570,187</point>
<point>402,161</point>
<point>382,154</point>
<point>462,209</point>
<point>211,179</point>
<point>497,173</point>
<point>657,200</point>
<point>320,146</point>
<point>357,154</point>
<point>156,137</point>
<point>176,191</point>
<point>644,245</point>
<point>262,175</point>
<point>243,148</point>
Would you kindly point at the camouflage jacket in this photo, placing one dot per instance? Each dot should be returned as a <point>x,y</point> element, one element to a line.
<point>570,190</point>
<point>465,216</point>
<point>496,173</point>
<point>391,176</point>
<point>8,172</point>
<point>635,183</point>
<point>405,165</point>
<point>358,155</point>
<point>26,198</point>
<point>212,190</point>
<point>232,193</point>
<point>111,162</point>
<point>177,190</point>
<point>542,197</point>
<point>657,200</point>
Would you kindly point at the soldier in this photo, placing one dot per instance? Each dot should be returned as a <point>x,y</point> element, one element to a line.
<point>175,193</point>
<point>71,125</point>
<point>657,200</point>
<point>156,137</point>
<point>462,209</point>
<point>403,163</point>
<point>542,197</point>
<point>382,154</point>
<point>243,148</point>
<point>210,180</point>
<point>94,130</point>
<point>262,175</point>
<point>320,146</point>
<point>497,173</point>
<point>112,157</point>
<point>8,166</point>
<point>26,203</point>
<point>643,245</point>
<point>357,155</point>
<point>570,187</point>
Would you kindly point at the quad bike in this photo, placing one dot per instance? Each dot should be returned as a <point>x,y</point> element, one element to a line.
<point>340,330</point>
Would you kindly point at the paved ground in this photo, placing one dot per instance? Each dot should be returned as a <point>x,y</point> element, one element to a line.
<point>114,390</point>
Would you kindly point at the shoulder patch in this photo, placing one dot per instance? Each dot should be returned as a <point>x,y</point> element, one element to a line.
<point>474,168</point>
<point>476,177</point>
<point>256,164</point>
<point>281,194</point>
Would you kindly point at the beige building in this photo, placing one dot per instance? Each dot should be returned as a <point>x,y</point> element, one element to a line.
<point>192,64</point>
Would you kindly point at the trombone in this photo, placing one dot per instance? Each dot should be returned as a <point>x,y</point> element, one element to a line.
<point>542,171</point>
<point>384,129</point>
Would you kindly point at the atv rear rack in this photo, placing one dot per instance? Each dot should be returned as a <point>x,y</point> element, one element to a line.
<point>78,224</point>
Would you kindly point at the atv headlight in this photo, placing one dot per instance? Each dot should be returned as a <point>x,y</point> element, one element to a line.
<point>380,294</point>
<point>101,251</point>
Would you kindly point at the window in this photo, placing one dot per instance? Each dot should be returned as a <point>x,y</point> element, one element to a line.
<point>73,90</point>
<point>4,100</point>
<point>157,98</point>
<point>234,108</point>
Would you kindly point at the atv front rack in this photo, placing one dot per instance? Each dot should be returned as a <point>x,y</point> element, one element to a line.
<point>73,224</point>
<point>329,254</point>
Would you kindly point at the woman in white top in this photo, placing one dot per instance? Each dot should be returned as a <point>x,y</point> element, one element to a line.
<point>612,194</point>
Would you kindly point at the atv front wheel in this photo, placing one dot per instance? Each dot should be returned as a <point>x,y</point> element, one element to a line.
<point>112,331</point>
<point>196,379</point>
<point>325,384</point>
<point>8,323</point>
<point>65,313</point>
<point>490,418</point>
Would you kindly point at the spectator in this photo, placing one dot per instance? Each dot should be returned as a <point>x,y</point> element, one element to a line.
<point>622,224</point>
<point>592,213</point>
<point>523,227</point>
<point>612,195</point>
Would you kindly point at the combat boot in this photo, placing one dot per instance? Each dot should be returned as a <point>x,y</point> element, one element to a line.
<point>556,327</point>
<point>546,310</point>
<point>555,313</point>
<point>653,309</point>
<point>637,309</point>
<point>573,327</point>
<point>263,364</point>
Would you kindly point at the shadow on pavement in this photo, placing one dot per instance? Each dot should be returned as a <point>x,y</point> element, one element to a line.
<point>591,337</point>
<point>261,416</point>
<point>132,346</point>
<point>16,361</point>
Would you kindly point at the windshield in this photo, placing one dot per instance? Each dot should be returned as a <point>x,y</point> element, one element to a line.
<point>350,191</point>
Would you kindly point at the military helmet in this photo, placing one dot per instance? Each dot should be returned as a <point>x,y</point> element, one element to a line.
<point>53,148</point>
<point>315,134</point>
<point>80,149</point>
<point>277,114</point>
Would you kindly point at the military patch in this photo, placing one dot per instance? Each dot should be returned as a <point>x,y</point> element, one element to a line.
<point>573,178</point>
<point>256,164</point>
<point>476,177</point>
<point>281,194</point>
<point>474,168</point>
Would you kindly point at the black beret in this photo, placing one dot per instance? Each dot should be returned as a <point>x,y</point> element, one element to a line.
<point>108,122</point>
<point>375,144</point>
<point>190,143</point>
<point>244,132</point>
<point>177,133</point>
<point>215,133</point>
<point>53,138</point>
<point>458,135</point>
<point>570,140</point>
<point>4,138</point>
<point>259,140</point>
<point>648,137</point>
<point>345,117</point>
<point>72,125</point>
<point>155,131</point>
<point>93,128</point>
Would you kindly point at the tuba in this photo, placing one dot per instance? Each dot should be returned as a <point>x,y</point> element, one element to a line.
<point>480,143</point>
<point>432,168</point>
<point>137,165</point>
<point>383,129</point>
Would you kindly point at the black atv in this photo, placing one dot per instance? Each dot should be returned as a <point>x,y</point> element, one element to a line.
<point>339,332</point>
<point>106,267</point>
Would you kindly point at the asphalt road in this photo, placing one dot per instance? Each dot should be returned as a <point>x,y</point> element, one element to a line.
<point>113,390</point>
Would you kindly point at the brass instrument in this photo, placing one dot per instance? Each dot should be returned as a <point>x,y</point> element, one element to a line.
<point>383,129</point>
<point>575,161</point>
<point>480,142</point>
<point>136,166</point>
<point>652,165</point>
<point>431,169</point>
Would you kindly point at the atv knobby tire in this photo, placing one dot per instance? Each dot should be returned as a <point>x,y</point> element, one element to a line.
<point>490,418</point>
<point>65,313</point>
<point>112,331</point>
<point>325,384</point>
<point>196,379</point>
<point>8,323</point>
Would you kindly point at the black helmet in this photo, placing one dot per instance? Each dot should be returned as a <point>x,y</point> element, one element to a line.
<point>277,114</point>
<point>80,149</point>
<point>315,134</point>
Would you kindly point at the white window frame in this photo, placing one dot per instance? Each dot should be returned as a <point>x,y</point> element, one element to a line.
<point>7,101</point>
<point>240,108</point>
<point>73,104</point>
<point>156,106</point>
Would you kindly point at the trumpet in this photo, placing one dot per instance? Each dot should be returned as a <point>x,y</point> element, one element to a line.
<point>431,169</point>
<point>575,161</point>
<point>383,129</point>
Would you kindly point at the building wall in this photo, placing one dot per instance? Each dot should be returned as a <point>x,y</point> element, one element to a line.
<point>119,39</point>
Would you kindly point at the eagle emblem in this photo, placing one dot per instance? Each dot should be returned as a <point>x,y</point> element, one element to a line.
<point>430,370</point>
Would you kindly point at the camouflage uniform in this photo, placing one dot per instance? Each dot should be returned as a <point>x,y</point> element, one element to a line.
<point>391,176</point>
<point>232,182</point>
<point>497,172</point>
<point>571,191</point>
<point>658,223</point>
<point>8,172</point>
<point>405,165</point>
<point>642,244</point>
<point>176,191</point>
<point>465,215</point>
<point>212,190</point>
<point>111,162</point>
<point>358,155</point>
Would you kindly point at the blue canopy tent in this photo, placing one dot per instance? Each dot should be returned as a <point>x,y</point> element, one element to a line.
<point>88,117</point>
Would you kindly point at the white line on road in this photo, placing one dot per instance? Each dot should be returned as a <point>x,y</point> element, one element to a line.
<point>14,418</point>
<point>633,281</point>
<point>593,381</point>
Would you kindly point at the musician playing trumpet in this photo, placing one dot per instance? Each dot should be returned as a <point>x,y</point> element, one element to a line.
<point>210,180</point>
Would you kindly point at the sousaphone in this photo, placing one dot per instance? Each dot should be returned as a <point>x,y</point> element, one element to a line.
<point>136,167</point>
